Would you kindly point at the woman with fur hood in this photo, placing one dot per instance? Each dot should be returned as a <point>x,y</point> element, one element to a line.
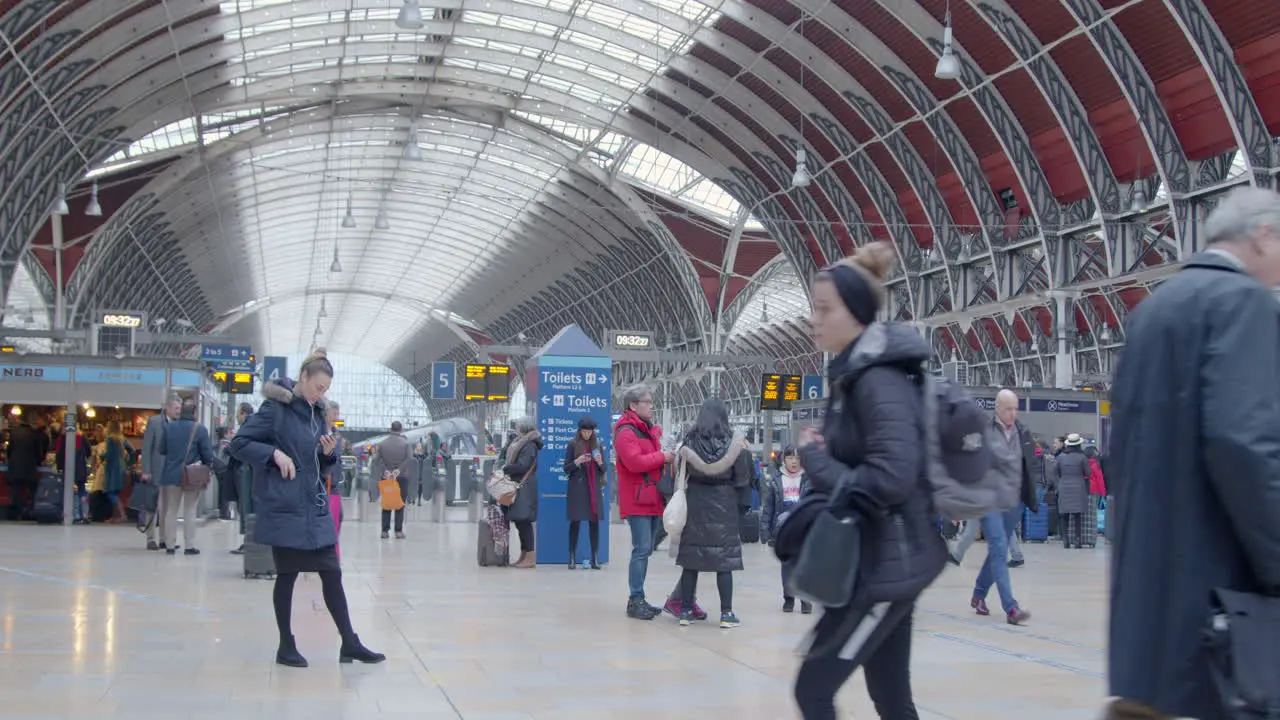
<point>289,444</point>
<point>718,474</point>
<point>522,466</point>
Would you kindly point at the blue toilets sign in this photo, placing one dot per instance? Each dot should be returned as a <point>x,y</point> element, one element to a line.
<point>564,388</point>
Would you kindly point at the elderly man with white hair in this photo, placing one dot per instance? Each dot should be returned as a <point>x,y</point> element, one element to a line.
<point>1013,440</point>
<point>969,534</point>
<point>1195,448</point>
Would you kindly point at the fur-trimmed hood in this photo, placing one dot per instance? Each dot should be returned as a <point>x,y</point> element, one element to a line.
<point>720,466</point>
<point>513,450</point>
<point>283,391</point>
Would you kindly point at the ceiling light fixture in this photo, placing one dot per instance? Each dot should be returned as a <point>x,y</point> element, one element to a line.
<point>948,64</point>
<point>764,313</point>
<point>412,151</point>
<point>410,17</point>
<point>801,179</point>
<point>94,208</point>
<point>1105,336</point>
<point>1138,201</point>
<point>324,313</point>
<point>60,204</point>
<point>381,222</point>
<point>335,267</point>
<point>348,220</point>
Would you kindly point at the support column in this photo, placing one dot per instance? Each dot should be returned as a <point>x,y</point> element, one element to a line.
<point>55,225</point>
<point>1064,357</point>
<point>69,462</point>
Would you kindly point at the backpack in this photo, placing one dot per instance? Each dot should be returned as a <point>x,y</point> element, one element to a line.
<point>969,476</point>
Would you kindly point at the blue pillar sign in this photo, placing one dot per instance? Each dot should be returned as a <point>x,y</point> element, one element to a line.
<point>444,378</point>
<point>274,367</point>
<point>565,388</point>
<point>811,387</point>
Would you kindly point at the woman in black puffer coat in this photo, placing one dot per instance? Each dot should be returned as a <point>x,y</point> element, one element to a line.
<point>870,450</point>
<point>719,472</point>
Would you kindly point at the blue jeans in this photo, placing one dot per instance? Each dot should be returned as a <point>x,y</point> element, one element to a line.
<point>644,529</point>
<point>997,528</point>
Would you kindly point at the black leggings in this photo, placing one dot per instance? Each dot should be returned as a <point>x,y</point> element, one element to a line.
<point>593,534</point>
<point>524,529</point>
<point>885,658</point>
<point>334,599</point>
<point>689,589</point>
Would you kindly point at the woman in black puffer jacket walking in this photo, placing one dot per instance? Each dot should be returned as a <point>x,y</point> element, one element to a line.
<point>870,449</point>
<point>719,476</point>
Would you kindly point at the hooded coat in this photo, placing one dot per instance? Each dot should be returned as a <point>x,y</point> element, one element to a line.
<point>718,470</point>
<point>1071,480</point>
<point>1195,468</point>
<point>522,460</point>
<point>875,454</point>
<point>583,499</point>
<point>291,513</point>
<point>638,447</point>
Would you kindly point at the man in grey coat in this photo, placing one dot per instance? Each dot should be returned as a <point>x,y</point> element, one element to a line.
<point>153,460</point>
<point>395,453</point>
<point>1195,444</point>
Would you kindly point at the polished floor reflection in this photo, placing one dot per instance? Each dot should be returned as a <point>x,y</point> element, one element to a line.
<point>94,626</point>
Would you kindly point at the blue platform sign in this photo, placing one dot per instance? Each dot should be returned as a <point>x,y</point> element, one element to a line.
<point>1063,406</point>
<point>227,357</point>
<point>571,378</point>
<point>274,367</point>
<point>811,387</point>
<point>444,380</point>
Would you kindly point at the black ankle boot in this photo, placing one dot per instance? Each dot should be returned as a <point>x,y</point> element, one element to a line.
<point>353,650</point>
<point>288,654</point>
<point>595,564</point>
<point>573,563</point>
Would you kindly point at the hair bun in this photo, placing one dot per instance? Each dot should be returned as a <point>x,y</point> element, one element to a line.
<point>877,258</point>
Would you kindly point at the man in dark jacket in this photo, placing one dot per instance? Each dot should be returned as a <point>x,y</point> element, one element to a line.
<point>1196,441</point>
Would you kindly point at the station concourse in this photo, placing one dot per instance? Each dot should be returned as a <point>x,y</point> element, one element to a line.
<point>108,630</point>
<point>503,214</point>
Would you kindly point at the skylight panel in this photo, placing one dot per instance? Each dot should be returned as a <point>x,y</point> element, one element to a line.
<point>710,196</point>
<point>785,298</point>
<point>658,169</point>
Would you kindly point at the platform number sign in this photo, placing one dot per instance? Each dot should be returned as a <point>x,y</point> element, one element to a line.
<point>444,379</point>
<point>812,387</point>
<point>275,368</point>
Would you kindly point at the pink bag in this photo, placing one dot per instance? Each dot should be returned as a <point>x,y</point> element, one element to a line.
<point>335,509</point>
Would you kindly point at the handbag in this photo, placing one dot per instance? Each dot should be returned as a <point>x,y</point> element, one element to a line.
<point>144,497</point>
<point>826,571</point>
<point>389,489</point>
<point>1243,640</point>
<point>676,514</point>
<point>503,489</point>
<point>196,475</point>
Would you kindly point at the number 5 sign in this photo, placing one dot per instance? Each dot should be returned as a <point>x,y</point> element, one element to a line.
<point>443,380</point>
<point>811,388</point>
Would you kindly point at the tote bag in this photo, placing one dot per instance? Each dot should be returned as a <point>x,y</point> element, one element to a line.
<point>389,489</point>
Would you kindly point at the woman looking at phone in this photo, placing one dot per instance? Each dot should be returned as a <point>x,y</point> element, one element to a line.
<point>584,464</point>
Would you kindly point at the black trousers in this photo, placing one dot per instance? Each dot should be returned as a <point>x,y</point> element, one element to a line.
<point>884,656</point>
<point>689,589</point>
<point>1071,529</point>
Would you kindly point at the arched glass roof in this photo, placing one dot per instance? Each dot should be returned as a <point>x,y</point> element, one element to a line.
<point>776,297</point>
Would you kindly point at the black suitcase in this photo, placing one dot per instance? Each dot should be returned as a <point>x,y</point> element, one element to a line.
<point>749,528</point>
<point>47,508</point>
<point>258,560</point>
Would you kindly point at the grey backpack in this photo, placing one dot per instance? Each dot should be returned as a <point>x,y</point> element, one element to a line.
<point>969,474</point>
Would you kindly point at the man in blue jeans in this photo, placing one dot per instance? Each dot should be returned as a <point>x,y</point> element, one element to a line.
<point>1013,441</point>
<point>637,443</point>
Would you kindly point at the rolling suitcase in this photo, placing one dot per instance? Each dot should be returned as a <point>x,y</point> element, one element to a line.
<point>493,538</point>
<point>47,508</point>
<point>1035,526</point>
<point>749,527</point>
<point>258,561</point>
<point>1089,523</point>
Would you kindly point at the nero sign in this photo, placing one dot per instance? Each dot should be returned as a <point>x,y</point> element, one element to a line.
<point>571,379</point>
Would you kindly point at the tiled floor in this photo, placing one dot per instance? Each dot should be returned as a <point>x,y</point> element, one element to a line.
<point>94,626</point>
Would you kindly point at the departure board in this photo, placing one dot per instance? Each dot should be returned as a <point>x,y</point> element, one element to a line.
<point>778,392</point>
<point>498,384</point>
<point>239,383</point>
<point>475,387</point>
<point>487,382</point>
